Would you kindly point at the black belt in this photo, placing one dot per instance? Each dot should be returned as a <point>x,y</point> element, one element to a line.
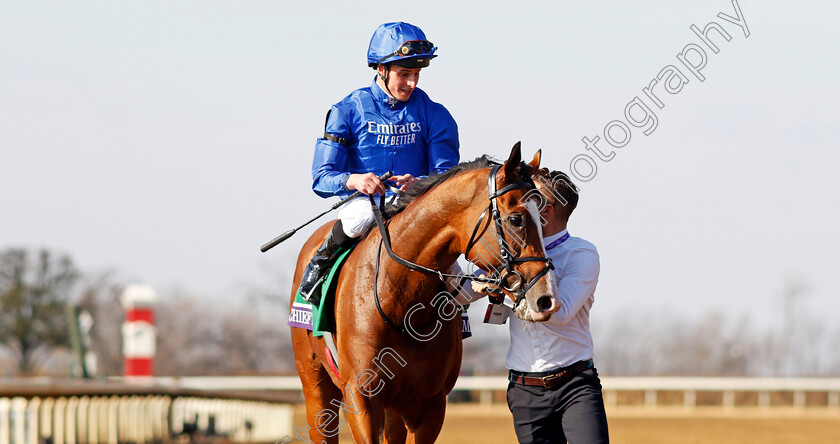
<point>552,378</point>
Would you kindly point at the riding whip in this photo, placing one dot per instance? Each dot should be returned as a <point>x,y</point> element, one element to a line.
<point>277,240</point>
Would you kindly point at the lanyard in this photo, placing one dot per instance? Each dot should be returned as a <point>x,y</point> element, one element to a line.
<point>557,242</point>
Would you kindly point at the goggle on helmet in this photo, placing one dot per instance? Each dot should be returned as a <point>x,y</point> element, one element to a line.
<point>402,44</point>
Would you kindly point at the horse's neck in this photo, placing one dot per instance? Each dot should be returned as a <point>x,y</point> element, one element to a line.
<point>428,231</point>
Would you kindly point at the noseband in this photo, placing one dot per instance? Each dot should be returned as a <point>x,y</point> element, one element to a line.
<point>510,281</point>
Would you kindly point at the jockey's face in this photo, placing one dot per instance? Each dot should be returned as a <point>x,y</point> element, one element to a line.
<point>401,81</point>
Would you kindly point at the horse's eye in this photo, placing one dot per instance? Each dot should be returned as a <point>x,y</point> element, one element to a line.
<point>516,220</point>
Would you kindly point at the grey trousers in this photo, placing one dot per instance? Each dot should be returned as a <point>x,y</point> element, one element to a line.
<point>573,412</point>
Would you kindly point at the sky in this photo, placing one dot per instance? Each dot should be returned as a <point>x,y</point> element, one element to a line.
<point>167,141</point>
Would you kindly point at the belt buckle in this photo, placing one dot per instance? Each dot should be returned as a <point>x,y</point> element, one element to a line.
<point>548,380</point>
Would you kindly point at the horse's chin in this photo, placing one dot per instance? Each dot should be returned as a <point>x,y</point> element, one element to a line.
<point>539,317</point>
<point>524,312</point>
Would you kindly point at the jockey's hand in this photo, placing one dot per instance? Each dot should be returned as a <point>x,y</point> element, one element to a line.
<point>367,183</point>
<point>404,181</point>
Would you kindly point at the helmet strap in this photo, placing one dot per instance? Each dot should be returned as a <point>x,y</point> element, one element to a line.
<point>392,100</point>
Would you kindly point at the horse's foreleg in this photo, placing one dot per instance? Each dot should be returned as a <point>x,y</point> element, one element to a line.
<point>318,392</point>
<point>395,431</point>
<point>424,424</point>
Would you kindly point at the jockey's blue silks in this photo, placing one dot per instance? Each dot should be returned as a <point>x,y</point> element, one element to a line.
<point>417,137</point>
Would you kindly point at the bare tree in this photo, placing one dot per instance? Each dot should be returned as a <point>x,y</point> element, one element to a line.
<point>668,344</point>
<point>100,296</point>
<point>832,363</point>
<point>197,339</point>
<point>709,346</point>
<point>33,297</point>
<point>252,343</point>
<point>188,337</point>
<point>485,350</point>
<point>795,288</point>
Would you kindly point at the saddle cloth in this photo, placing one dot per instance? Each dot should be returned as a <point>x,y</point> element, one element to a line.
<point>319,318</point>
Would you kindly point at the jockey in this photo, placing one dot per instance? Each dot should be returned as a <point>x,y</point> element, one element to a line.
<point>389,126</point>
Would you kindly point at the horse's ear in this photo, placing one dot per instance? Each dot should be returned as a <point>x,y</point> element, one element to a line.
<point>535,163</point>
<point>514,159</point>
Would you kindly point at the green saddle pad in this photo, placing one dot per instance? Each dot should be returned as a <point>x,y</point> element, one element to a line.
<point>319,318</point>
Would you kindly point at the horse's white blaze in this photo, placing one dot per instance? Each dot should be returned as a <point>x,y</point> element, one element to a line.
<point>534,212</point>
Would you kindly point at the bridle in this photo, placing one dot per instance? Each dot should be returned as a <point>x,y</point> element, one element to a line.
<point>510,281</point>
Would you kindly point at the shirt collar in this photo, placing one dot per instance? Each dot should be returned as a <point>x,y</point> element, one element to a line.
<point>381,96</point>
<point>556,239</point>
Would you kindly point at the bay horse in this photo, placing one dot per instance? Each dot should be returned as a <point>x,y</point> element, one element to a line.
<point>399,356</point>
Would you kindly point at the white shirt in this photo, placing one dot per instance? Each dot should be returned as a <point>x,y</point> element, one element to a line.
<point>565,338</point>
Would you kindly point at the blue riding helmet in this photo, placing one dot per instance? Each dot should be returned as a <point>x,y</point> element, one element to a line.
<point>402,44</point>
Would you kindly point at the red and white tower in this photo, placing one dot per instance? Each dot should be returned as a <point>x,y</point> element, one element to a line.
<point>138,330</point>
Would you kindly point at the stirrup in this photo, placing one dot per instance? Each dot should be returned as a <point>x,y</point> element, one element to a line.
<point>308,297</point>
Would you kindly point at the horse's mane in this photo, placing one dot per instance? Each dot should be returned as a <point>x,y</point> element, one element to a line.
<point>427,183</point>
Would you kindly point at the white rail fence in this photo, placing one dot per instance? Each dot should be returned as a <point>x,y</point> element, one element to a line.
<point>817,392</point>
<point>172,408</point>
<point>155,418</point>
<point>803,391</point>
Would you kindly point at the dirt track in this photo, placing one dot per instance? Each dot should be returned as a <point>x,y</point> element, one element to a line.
<point>470,423</point>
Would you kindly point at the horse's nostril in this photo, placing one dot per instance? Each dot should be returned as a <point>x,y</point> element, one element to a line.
<point>544,303</point>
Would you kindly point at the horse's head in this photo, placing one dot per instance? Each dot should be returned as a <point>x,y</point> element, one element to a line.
<point>507,240</point>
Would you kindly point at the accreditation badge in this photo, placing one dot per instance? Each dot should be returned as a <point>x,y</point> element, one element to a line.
<point>498,313</point>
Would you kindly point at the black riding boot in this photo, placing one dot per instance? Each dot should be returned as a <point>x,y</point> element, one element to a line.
<point>320,264</point>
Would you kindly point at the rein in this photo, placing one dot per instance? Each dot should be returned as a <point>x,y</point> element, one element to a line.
<point>449,295</point>
<point>508,260</point>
